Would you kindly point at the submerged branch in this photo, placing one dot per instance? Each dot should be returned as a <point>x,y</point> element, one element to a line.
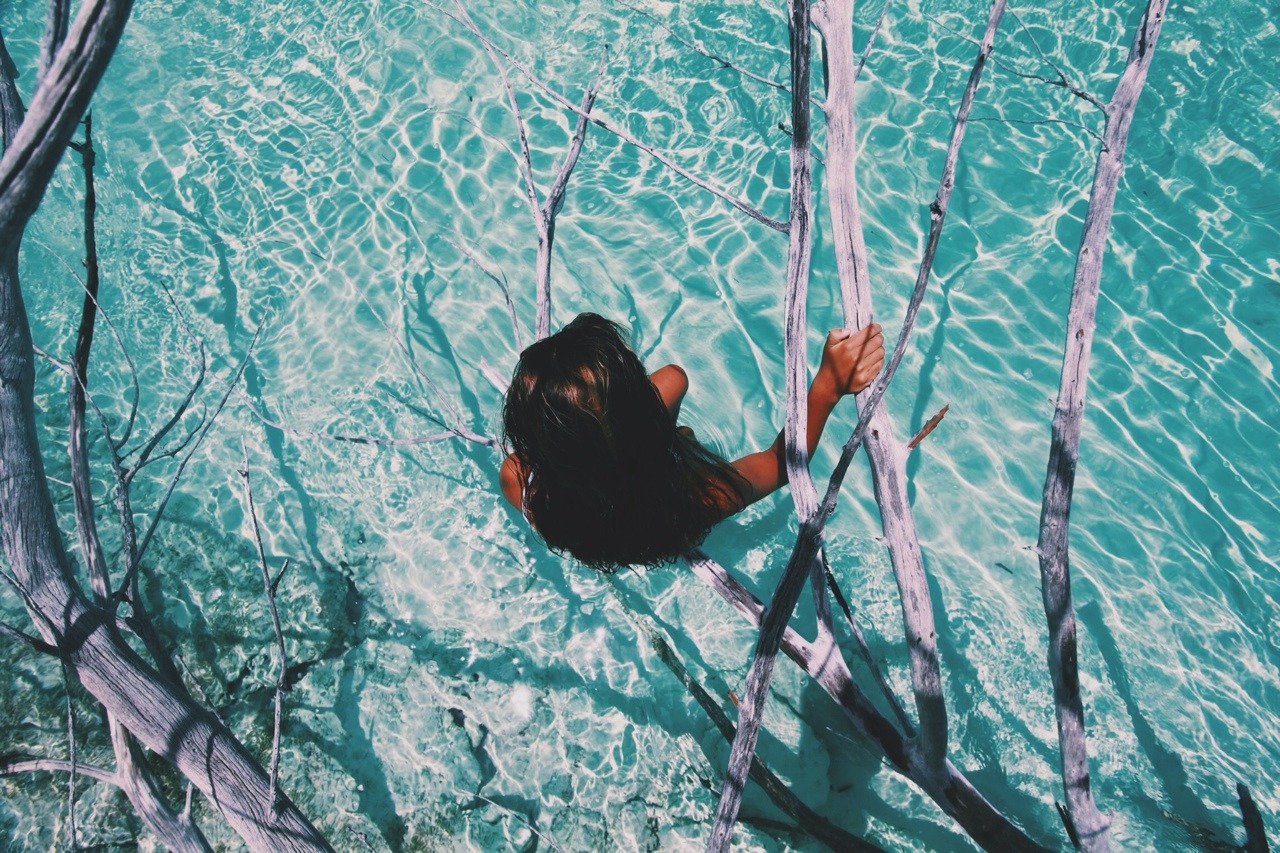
<point>804,561</point>
<point>1064,453</point>
<point>782,796</point>
<point>269,589</point>
<point>622,134</point>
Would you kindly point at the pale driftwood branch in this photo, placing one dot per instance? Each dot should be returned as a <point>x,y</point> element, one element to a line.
<point>33,643</point>
<point>618,131</point>
<point>871,40</point>
<point>11,108</point>
<point>55,109</point>
<point>135,777</point>
<point>662,158</point>
<point>269,589</point>
<point>57,765</point>
<point>803,562</point>
<point>886,454</point>
<point>86,525</point>
<point>1062,82</point>
<point>545,217</point>
<point>55,30</point>
<point>952,792</point>
<point>1064,451</point>
<point>783,797</point>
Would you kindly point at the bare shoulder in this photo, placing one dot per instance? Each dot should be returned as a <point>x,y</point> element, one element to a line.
<point>511,479</point>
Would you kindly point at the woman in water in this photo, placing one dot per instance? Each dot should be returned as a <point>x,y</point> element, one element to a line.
<point>601,469</point>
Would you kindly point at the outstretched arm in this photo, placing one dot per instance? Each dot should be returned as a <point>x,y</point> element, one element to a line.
<point>850,360</point>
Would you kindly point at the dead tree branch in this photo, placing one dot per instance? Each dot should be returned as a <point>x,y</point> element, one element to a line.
<point>135,777</point>
<point>618,131</point>
<point>782,796</point>
<point>546,215</point>
<point>1064,453</point>
<point>55,765</point>
<point>804,560</point>
<point>828,669</point>
<point>55,30</point>
<point>269,589</point>
<point>886,454</point>
<point>158,713</point>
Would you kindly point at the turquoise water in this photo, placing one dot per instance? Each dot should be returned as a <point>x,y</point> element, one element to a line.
<point>312,167</point>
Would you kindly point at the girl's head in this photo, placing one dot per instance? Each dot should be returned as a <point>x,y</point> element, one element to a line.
<point>610,480</point>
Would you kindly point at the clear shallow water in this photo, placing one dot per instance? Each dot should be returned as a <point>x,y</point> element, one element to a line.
<point>276,164</point>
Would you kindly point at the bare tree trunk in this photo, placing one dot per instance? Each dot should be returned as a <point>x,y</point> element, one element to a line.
<point>1090,826</point>
<point>158,713</point>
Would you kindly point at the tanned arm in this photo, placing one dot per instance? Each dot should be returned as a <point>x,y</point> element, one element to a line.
<point>850,360</point>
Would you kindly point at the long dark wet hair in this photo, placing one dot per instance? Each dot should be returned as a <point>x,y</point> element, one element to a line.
<point>609,478</point>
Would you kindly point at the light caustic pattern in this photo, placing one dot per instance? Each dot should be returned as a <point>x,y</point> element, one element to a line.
<point>314,166</point>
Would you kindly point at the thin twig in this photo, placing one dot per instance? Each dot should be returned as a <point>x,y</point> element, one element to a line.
<point>541,835</point>
<point>871,40</point>
<point>622,134</point>
<point>269,589</point>
<point>699,49</point>
<point>929,427</point>
<point>499,279</point>
<point>782,796</point>
<point>55,765</point>
<point>186,459</point>
<point>78,451</point>
<point>545,219</point>
<point>865,651</point>
<point>803,562</point>
<point>71,754</point>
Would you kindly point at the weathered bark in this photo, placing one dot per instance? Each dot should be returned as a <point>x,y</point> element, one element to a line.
<point>835,21</point>
<point>158,712</point>
<point>1091,826</point>
<point>953,793</point>
<point>804,562</point>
